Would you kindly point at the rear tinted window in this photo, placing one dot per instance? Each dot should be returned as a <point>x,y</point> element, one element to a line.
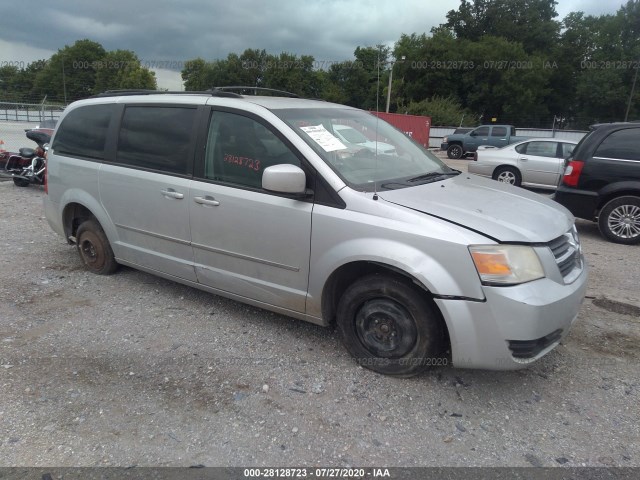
<point>499,132</point>
<point>83,132</point>
<point>623,144</point>
<point>157,138</point>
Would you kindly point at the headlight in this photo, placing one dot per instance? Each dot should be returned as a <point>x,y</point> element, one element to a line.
<point>506,264</point>
<point>445,140</point>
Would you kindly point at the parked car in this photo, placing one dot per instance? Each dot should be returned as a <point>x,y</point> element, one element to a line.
<point>538,162</point>
<point>601,181</point>
<point>458,145</point>
<point>257,199</point>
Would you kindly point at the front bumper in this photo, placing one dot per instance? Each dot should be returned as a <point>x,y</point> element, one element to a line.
<point>444,146</point>
<point>514,326</point>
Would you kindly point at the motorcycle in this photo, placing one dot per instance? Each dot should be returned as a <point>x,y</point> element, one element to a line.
<point>29,165</point>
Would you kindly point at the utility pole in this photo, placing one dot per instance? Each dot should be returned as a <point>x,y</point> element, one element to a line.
<point>390,80</point>
<point>64,84</point>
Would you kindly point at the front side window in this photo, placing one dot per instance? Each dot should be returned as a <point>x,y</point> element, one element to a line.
<point>83,132</point>
<point>542,149</point>
<point>365,151</point>
<point>481,132</point>
<point>623,144</point>
<point>157,138</point>
<point>240,148</point>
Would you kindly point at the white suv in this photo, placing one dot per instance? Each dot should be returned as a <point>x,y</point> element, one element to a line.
<point>258,199</point>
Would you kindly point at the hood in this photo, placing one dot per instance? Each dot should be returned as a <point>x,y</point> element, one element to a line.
<point>502,212</point>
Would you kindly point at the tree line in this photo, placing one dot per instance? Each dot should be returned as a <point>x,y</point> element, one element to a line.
<point>509,61</point>
<point>74,72</point>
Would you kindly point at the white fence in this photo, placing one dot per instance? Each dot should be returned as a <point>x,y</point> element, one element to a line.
<point>28,112</point>
<point>438,133</point>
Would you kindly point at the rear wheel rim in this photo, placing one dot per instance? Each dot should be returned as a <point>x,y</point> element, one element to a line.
<point>92,253</point>
<point>385,328</point>
<point>624,221</point>
<point>507,177</point>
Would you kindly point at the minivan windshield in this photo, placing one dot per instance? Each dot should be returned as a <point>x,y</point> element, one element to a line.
<point>382,158</point>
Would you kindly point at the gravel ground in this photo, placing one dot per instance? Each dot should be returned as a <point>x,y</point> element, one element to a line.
<point>131,369</point>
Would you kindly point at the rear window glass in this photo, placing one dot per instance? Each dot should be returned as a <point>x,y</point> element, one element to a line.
<point>542,149</point>
<point>157,138</point>
<point>83,132</point>
<point>499,132</point>
<point>623,144</point>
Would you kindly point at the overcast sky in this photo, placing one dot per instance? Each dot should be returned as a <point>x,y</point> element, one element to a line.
<point>165,34</point>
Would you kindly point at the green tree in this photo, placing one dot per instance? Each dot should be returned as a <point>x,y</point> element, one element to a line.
<point>70,74</point>
<point>362,82</point>
<point>529,22</point>
<point>121,69</point>
<point>293,74</point>
<point>443,111</point>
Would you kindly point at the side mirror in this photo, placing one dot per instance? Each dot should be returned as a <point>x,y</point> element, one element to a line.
<point>284,178</point>
<point>473,133</point>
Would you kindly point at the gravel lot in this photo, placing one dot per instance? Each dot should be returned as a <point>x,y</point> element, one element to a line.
<point>131,369</point>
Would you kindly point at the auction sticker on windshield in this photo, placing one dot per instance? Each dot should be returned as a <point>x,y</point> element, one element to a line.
<point>324,138</point>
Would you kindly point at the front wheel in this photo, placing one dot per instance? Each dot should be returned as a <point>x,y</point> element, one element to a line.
<point>508,175</point>
<point>388,326</point>
<point>619,220</point>
<point>94,248</point>
<point>454,151</point>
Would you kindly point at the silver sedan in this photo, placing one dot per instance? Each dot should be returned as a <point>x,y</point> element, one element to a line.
<point>536,162</point>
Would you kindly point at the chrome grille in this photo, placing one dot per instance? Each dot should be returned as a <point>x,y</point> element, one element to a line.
<point>566,251</point>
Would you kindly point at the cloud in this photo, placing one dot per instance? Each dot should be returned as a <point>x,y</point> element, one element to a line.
<point>158,30</point>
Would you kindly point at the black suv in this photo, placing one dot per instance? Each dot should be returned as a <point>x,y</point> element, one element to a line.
<point>601,180</point>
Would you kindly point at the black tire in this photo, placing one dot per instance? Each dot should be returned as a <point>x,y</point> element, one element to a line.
<point>20,182</point>
<point>619,220</point>
<point>94,248</point>
<point>509,175</point>
<point>454,151</point>
<point>388,325</point>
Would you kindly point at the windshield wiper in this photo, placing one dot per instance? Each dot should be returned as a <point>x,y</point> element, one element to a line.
<point>434,176</point>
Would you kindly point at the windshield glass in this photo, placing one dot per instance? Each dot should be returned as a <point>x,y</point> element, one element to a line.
<point>388,160</point>
<point>351,135</point>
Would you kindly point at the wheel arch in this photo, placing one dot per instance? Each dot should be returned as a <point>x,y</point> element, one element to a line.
<point>78,206</point>
<point>615,190</point>
<point>497,168</point>
<point>348,273</point>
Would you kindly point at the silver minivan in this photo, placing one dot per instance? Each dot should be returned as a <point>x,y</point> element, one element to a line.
<point>257,198</point>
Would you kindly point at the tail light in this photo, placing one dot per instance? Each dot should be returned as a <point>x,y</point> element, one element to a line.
<point>572,173</point>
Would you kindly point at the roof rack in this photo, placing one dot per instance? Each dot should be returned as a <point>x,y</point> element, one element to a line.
<point>255,90</point>
<point>124,93</point>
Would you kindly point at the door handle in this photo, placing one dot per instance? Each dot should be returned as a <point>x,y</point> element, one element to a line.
<point>524,159</point>
<point>206,201</point>
<point>171,193</point>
